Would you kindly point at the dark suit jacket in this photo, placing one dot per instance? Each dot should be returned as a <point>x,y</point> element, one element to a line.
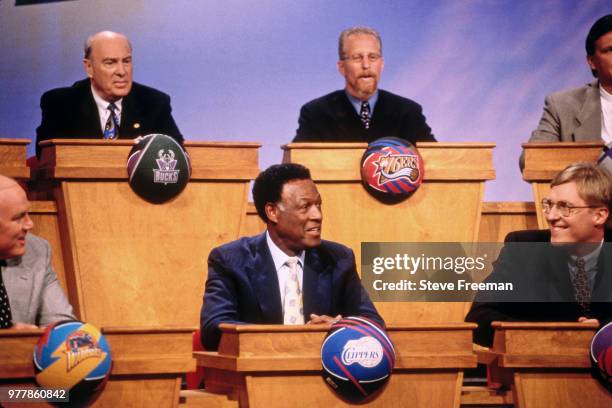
<point>542,272</point>
<point>242,286</point>
<point>71,113</point>
<point>332,118</point>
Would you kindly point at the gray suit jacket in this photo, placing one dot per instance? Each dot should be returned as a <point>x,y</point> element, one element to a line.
<point>34,292</point>
<point>572,115</point>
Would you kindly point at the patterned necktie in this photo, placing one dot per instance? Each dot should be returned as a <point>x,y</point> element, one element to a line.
<point>582,290</point>
<point>111,129</point>
<point>365,114</point>
<point>293,309</point>
<point>6,317</point>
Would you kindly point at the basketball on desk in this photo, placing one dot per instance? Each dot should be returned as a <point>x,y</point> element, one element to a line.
<point>158,168</point>
<point>72,356</point>
<point>391,167</point>
<point>357,358</point>
<point>601,353</point>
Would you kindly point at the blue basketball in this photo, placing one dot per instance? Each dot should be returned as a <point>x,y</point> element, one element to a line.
<point>601,354</point>
<point>158,168</point>
<point>357,358</point>
<point>72,356</point>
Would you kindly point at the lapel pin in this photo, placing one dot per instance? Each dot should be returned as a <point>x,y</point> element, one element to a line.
<point>136,125</point>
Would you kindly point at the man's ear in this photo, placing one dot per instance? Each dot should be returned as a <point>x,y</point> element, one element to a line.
<point>602,215</point>
<point>88,68</point>
<point>271,212</point>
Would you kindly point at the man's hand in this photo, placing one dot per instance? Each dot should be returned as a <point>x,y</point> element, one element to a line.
<point>22,326</point>
<point>323,319</point>
<point>583,319</point>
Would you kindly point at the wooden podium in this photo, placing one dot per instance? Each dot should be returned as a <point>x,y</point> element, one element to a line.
<point>280,366</point>
<point>13,154</point>
<point>148,364</point>
<point>446,208</point>
<point>132,263</point>
<point>544,160</point>
<point>548,363</point>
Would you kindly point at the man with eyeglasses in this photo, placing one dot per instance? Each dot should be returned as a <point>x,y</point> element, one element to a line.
<point>361,112</point>
<point>569,279</point>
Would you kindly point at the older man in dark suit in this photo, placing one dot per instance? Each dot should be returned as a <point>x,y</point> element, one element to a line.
<point>30,294</point>
<point>108,104</point>
<point>560,274</point>
<point>287,275</point>
<point>361,112</point>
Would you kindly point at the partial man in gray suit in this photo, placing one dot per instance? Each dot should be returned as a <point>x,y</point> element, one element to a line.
<point>30,294</point>
<point>583,114</point>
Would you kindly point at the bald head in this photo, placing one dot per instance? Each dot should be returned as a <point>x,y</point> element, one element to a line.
<point>108,63</point>
<point>101,36</point>
<point>15,221</point>
<point>6,183</point>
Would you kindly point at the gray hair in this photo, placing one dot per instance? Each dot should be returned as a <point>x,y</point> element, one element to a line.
<point>353,31</point>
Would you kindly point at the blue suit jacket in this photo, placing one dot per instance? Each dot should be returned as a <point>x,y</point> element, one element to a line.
<point>242,286</point>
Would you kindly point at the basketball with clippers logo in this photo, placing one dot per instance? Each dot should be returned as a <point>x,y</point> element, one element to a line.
<point>601,355</point>
<point>72,356</point>
<point>158,168</point>
<point>357,358</point>
<point>391,169</point>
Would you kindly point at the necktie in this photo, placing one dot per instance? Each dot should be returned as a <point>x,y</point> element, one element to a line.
<point>365,114</point>
<point>293,309</point>
<point>111,129</point>
<point>6,317</point>
<point>582,290</point>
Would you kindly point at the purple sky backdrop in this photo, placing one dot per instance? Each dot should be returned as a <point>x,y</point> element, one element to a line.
<point>240,70</point>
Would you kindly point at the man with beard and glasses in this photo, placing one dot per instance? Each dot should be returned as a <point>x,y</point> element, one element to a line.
<point>361,112</point>
<point>288,274</point>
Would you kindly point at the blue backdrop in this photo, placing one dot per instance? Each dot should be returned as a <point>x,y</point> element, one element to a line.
<point>240,70</point>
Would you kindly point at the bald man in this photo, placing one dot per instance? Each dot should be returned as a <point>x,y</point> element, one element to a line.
<point>30,294</point>
<point>108,104</point>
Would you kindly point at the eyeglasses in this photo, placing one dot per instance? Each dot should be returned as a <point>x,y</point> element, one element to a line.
<point>564,208</point>
<point>358,58</point>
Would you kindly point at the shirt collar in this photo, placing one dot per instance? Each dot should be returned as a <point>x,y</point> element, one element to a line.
<point>102,104</point>
<point>278,256</point>
<point>357,103</point>
<point>590,259</point>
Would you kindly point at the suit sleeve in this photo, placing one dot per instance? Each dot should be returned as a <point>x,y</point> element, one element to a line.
<point>54,306</point>
<point>548,130</point>
<point>220,304</point>
<point>307,130</point>
<point>485,309</point>
<point>356,299</point>
<point>51,122</point>
<point>166,123</point>
<point>415,127</point>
